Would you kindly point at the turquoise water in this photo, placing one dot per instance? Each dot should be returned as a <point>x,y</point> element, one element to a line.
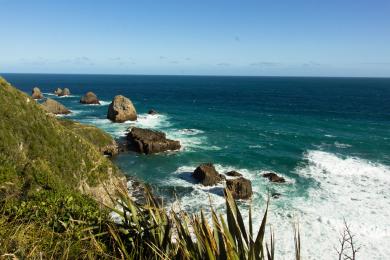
<point>330,138</point>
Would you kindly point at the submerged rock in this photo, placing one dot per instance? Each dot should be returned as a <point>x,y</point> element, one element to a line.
<point>276,195</point>
<point>233,174</point>
<point>55,107</point>
<point>64,92</point>
<point>148,141</point>
<point>121,109</point>
<point>240,188</point>
<point>89,98</point>
<point>207,174</point>
<point>58,91</point>
<point>152,112</point>
<point>273,177</point>
<point>36,93</point>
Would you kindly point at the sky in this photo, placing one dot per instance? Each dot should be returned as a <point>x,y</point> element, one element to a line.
<point>197,37</point>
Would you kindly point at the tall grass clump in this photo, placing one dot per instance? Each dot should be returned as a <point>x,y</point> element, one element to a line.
<point>150,232</point>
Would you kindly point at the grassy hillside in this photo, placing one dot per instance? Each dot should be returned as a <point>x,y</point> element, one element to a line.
<point>52,173</point>
<point>39,152</point>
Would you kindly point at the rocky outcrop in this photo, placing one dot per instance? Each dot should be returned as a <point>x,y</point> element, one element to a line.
<point>55,107</point>
<point>89,98</point>
<point>58,91</point>
<point>111,149</point>
<point>273,177</point>
<point>121,109</point>
<point>233,174</point>
<point>152,112</point>
<point>207,174</point>
<point>148,141</point>
<point>36,93</point>
<point>240,188</point>
<point>64,92</point>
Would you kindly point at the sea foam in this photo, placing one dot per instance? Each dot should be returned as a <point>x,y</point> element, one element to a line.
<point>347,188</point>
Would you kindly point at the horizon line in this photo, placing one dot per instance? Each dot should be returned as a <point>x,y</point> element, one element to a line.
<point>194,75</point>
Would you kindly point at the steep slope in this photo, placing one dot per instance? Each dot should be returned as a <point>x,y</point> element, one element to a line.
<point>37,151</point>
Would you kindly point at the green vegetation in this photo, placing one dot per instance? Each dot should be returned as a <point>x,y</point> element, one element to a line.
<point>37,151</point>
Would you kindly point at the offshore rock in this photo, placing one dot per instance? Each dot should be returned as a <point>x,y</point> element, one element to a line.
<point>89,98</point>
<point>273,177</point>
<point>148,141</point>
<point>207,174</point>
<point>58,91</point>
<point>64,92</point>
<point>121,109</point>
<point>240,188</point>
<point>36,93</point>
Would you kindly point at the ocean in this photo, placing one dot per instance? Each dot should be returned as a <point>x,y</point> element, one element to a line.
<point>329,137</point>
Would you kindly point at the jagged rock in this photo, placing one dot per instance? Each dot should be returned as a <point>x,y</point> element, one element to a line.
<point>276,195</point>
<point>207,174</point>
<point>89,98</point>
<point>58,91</point>
<point>233,174</point>
<point>152,112</point>
<point>148,141</point>
<point>273,177</point>
<point>240,188</point>
<point>36,93</point>
<point>121,109</point>
<point>64,92</point>
<point>55,107</point>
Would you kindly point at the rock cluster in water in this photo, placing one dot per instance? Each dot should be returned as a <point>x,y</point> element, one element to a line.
<point>148,141</point>
<point>90,98</point>
<point>62,92</point>
<point>121,109</point>
<point>36,93</point>
<point>240,187</point>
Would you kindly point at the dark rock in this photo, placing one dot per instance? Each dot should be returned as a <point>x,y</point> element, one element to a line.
<point>275,195</point>
<point>207,174</point>
<point>36,93</point>
<point>55,107</point>
<point>89,98</point>
<point>240,188</point>
<point>152,112</point>
<point>64,92</point>
<point>121,109</point>
<point>273,177</point>
<point>233,174</point>
<point>58,91</point>
<point>148,141</point>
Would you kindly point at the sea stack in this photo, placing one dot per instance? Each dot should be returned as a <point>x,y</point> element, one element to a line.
<point>64,92</point>
<point>36,93</point>
<point>58,91</point>
<point>121,109</point>
<point>55,107</point>
<point>89,98</point>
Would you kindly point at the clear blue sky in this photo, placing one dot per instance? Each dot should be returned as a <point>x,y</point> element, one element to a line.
<point>282,37</point>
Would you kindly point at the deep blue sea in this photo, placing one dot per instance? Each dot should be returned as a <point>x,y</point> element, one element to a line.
<point>329,137</point>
